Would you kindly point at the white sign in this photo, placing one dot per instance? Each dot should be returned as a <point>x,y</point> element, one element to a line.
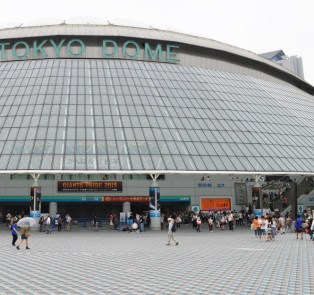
<point>196,208</point>
<point>122,217</point>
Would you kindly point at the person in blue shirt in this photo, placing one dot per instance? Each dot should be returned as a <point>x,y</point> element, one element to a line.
<point>298,227</point>
<point>14,232</point>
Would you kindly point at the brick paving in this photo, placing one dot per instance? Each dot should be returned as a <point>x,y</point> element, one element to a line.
<point>112,262</point>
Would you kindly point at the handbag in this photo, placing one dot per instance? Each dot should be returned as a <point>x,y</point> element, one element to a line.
<point>27,234</point>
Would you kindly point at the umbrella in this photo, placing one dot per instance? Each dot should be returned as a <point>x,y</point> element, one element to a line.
<point>26,222</point>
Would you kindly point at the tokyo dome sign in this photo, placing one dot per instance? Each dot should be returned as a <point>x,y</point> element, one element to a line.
<point>77,48</point>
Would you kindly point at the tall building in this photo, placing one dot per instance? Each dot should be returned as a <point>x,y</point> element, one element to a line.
<point>292,63</point>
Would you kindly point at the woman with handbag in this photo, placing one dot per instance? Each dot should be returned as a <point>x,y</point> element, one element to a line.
<point>24,236</point>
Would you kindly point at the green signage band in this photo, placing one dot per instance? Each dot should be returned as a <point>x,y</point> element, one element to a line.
<point>48,48</point>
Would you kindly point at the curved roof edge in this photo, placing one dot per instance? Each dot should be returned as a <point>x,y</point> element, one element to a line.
<point>152,34</point>
<point>153,172</point>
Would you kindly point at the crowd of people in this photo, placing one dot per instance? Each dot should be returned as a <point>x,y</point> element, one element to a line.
<point>264,227</point>
<point>270,226</point>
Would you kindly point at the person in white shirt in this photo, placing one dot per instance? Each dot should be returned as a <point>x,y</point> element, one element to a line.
<point>263,226</point>
<point>171,230</point>
<point>282,224</point>
<point>230,221</point>
<point>48,225</point>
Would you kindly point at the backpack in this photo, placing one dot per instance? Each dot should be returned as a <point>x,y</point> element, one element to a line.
<point>174,228</point>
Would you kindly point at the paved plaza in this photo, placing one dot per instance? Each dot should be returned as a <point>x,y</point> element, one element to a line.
<point>112,262</point>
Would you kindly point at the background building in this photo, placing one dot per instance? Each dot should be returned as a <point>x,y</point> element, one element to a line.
<point>292,63</point>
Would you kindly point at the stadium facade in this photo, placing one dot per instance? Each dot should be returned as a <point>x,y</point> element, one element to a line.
<point>94,112</point>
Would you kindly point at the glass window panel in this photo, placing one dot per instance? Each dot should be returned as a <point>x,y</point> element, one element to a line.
<point>13,163</point>
<point>18,147</point>
<point>103,162</point>
<point>172,148</point>
<point>90,148</point>
<point>38,147</point>
<point>35,162</point>
<point>28,147</point>
<point>189,163</point>
<point>46,162</point>
<point>227,163</point>
<point>70,147</point>
<point>237,164</point>
<point>182,148</point>
<point>125,162</point>
<point>69,162</point>
<point>158,162</point>
<point>112,148</point>
<point>114,162</point>
<point>179,162</point>
<point>147,162</point>
<point>169,163</point>
<point>218,163</point>
<point>101,148</point>
<point>136,162</point>
<point>92,162</point>
<point>24,162</point>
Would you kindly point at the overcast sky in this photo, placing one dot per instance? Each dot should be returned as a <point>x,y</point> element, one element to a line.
<point>255,25</point>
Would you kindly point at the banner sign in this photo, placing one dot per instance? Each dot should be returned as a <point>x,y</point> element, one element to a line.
<point>241,193</point>
<point>35,205</point>
<point>125,199</point>
<point>215,204</point>
<point>89,186</point>
<point>154,202</point>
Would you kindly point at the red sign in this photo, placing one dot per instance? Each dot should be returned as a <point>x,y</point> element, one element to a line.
<point>125,199</point>
<point>215,204</point>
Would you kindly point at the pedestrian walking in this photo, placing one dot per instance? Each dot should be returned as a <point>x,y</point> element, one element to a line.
<point>14,233</point>
<point>298,227</point>
<point>68,220</point>
<point>59,223</point>
<point>41,223</point>
<point>288,224</point>
<point>223,221</point>
<point>24,236</point>
<point>8,219</point>
<point>198,223</point>
<point>142,223</point>
<point>210,224</point>
<point>263,223</point>
<point>48,225</point>
<point>282,224</point>
<point>230,221</point>
<point>111,222</point>
<point>255,226</point>
<point>171,230</point>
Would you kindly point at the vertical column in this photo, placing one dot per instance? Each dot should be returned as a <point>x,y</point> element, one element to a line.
<point>35,200</point>
<point>256,196</point>
<point>126,207</point>
<point>53,209</point>
<point>154,206</point>
<point>35,204</point>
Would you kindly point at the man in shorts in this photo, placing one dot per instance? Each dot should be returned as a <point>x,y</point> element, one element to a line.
<point>298,227</point>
